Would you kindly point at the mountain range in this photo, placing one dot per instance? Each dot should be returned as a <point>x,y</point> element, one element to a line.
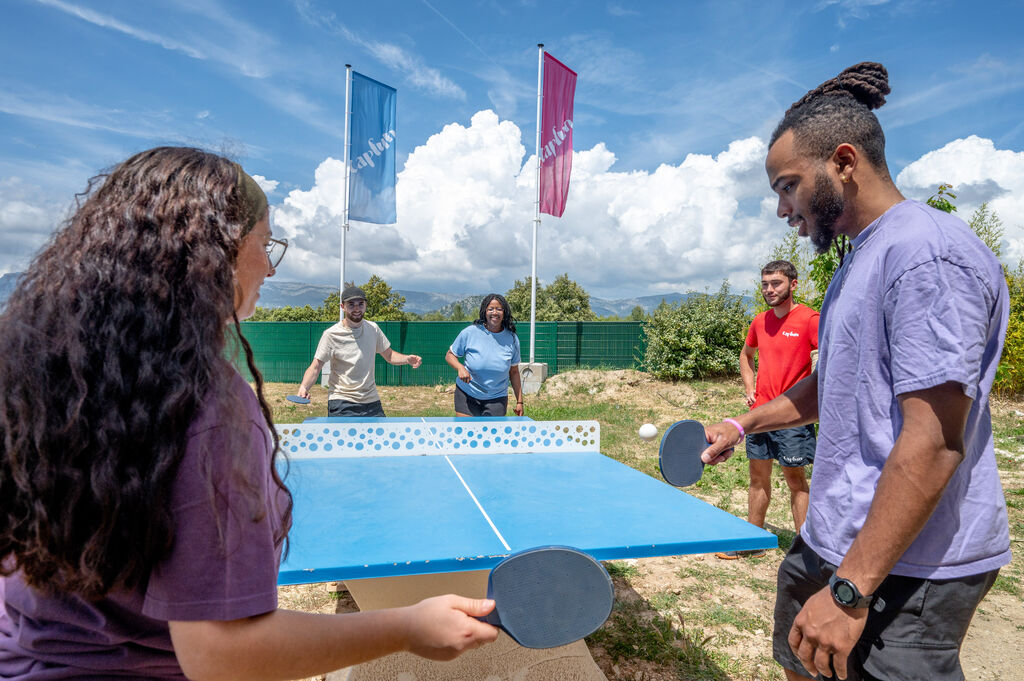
<point>280,293</point>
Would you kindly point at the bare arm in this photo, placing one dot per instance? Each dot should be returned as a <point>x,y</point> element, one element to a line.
<point>309,378</point>
<point>747,373</point>
<point>454,363</point>
<point>925,456</point>
<point>795,407</point>
<point>397,358</point>
<point>284,644</point>
<point>517,388</point>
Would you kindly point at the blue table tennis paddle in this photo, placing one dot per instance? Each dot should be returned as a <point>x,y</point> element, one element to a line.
<point>679,454</point>
<point>297,400</point>
<point>549,596</point>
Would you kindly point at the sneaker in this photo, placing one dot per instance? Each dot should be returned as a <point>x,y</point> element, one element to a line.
<point>734,555</point>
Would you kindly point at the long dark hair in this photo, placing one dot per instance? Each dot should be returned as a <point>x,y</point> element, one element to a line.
<point>507,320</point>
<point>109,346</point>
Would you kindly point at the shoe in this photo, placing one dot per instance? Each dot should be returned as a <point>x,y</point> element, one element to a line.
<point>735,555</point>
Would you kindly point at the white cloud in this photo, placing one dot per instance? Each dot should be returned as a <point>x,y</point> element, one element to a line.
<point>266,185</point>
<point>465,210</point>
<point>979,173</point>
<point>27,218</point>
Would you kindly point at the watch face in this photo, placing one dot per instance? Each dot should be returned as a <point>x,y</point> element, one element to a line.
<point>844,593</point>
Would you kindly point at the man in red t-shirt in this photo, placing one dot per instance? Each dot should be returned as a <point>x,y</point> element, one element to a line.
<point>782,338</point>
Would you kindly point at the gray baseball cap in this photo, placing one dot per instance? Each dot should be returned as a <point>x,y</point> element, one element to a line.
<point>352,293</point>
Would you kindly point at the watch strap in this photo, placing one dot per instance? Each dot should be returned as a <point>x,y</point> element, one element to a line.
<point>860,600</point>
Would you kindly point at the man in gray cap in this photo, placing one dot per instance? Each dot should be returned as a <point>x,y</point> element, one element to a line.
<point>351,346</point>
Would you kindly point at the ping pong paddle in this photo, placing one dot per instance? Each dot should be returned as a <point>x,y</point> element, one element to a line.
<point>679,454</point>
<point>297,400</point>
<point>549,596</point>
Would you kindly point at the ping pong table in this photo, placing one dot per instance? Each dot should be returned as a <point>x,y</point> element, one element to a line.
<point>411,496</point>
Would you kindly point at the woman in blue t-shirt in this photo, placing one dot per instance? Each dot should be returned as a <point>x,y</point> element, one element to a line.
<point>491,351</point>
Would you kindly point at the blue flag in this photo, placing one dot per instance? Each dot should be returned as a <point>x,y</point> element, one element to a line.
<point>371,195</point>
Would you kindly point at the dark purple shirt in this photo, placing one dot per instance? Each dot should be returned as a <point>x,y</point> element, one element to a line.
<point>223,566</point>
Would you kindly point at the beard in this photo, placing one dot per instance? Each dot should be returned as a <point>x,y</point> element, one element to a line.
<point>825,208</point>
<point>781,299</point>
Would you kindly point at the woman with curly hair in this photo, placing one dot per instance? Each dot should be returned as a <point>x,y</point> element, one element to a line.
<point>142,517</point>
<point>490,348</point>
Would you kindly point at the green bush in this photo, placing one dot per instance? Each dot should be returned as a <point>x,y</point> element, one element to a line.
<point>698,337</point>
<point>1010,375</point>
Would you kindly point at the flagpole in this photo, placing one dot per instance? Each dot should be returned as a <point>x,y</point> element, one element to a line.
<point>536,213</point>
<point>347,153</point>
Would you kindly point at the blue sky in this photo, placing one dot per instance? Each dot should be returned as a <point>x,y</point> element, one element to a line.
<point>674,102</point>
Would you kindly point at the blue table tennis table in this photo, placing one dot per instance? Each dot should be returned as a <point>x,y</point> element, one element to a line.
<point>415,496</point>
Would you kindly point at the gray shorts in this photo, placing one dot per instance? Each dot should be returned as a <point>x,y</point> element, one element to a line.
<point>916,636</point>
<point>355,409</point>
<point>791,447</point>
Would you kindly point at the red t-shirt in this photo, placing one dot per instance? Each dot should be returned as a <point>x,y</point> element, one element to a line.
<point>784,350</point>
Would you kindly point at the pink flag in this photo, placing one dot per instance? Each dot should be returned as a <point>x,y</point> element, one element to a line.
<point>556,135</point>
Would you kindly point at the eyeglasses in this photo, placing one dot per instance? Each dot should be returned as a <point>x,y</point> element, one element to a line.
<point>275,251</point>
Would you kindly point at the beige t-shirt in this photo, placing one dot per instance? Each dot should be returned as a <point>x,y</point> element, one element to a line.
<point>352,353</point>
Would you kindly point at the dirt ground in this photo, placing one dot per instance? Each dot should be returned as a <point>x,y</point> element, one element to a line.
<point>721,610</point>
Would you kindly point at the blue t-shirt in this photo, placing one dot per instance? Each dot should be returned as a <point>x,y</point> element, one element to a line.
<point>488,357</point>
<point>920,302</point>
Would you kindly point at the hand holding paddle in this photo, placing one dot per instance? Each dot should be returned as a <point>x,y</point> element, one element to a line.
<point>687,446</point>
<point>301,397</point>
<point>444,627</point>
<point>549,596</point>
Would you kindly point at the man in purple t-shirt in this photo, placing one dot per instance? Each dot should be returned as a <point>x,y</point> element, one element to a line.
<point>906,527</point>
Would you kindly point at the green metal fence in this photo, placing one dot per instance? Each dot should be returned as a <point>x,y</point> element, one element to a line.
<point>283,350</point>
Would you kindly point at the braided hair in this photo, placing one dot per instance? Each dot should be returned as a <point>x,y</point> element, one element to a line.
<point>840,110</point>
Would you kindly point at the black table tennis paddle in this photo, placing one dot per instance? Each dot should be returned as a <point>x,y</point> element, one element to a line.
<point>297,400</point>
<point>679,454</point>
<point>549,596</point>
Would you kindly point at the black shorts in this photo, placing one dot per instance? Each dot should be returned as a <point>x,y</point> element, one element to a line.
<point>467,404</point>
<point>916,636</point>
<point>791,447</point>
<point>354,409</point>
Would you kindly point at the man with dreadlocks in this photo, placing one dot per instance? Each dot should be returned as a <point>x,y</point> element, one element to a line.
<point>906,527</point>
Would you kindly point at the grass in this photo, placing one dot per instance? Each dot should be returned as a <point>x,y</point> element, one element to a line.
<point>631,633</point>
<point>621,569</point>
<point>714,620</point>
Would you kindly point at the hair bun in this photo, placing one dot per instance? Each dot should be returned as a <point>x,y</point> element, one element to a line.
<point>867,81</point>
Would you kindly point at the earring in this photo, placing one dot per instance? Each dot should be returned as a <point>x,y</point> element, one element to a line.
<point>844,178</point>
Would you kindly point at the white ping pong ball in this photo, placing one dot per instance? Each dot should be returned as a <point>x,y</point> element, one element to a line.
<point>647,431</point>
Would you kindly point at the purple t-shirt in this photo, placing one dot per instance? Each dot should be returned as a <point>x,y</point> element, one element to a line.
<point>223,566</point>
<point>920,302</point>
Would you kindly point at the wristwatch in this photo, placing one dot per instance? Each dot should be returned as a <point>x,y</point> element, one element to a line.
<point>848,595</point>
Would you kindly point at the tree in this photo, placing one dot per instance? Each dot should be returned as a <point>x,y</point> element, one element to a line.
<point>989,228</point>
<point>561,300</point>
<point>638,314</point>
<point>1010,374</point>
<point>823,268</point>
<point>459,314</point>
<point>570,301</point>
<point>382,303</point>
<point>518,298</point>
